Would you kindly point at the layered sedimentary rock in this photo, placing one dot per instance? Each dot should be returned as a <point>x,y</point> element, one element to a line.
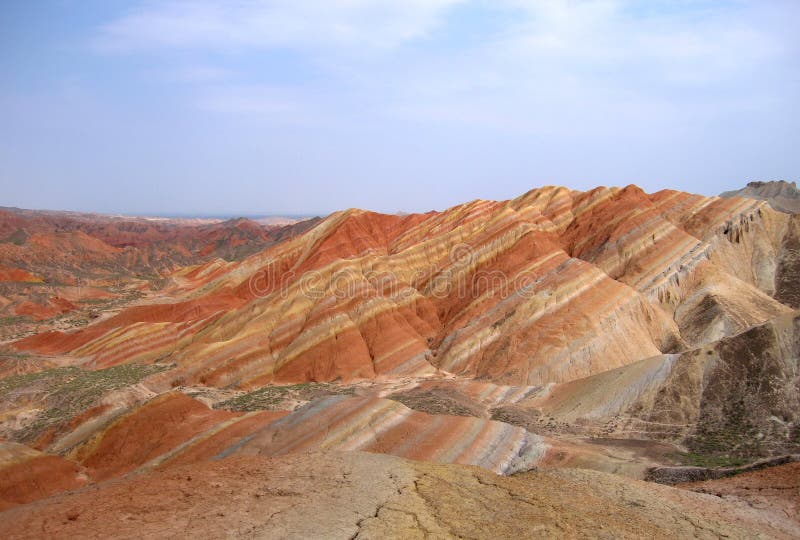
<point>739,396</point>
<point>151,243</point>
<point>611,330</point>
<point>175,428</point>
<point>388,427</point>
<point>86,435</point>
<point>787,273</point>
<point>27,475</point>
<point>774,488</point>
<point>549,287</point>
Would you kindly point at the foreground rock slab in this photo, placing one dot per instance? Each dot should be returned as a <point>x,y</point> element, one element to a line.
<point>358,495</point>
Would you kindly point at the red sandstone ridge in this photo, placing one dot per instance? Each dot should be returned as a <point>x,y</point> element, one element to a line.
<point>17,274</point>
<point>61,245</point>
<point>160,425</point>
<point>27,475</point>
<point>54,306</point>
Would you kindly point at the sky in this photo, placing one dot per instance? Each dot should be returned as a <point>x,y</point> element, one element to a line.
<point>303,107</point>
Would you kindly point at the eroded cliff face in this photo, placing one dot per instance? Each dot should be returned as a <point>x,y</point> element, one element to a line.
<point>787,274</point>
<point>750,402</point>
<point>737,397</point>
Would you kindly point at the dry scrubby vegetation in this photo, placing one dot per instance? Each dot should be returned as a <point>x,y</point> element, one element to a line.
<point>273,398</point>
<point>750,405</point>
<point>68,391</point>
<point>438,401</point>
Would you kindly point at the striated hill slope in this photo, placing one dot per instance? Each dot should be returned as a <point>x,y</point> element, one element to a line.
<point>550,287</point>
<point>115,243</point>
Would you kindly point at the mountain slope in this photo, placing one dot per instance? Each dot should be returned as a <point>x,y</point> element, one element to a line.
<point>550,287</point>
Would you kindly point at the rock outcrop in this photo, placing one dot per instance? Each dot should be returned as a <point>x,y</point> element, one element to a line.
<point>355,495</point>
<point>57,269</point>
<point>738,397</point>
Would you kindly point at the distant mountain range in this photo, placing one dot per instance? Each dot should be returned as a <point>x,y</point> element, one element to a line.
<point>72,264</point>
<point>781,195</point>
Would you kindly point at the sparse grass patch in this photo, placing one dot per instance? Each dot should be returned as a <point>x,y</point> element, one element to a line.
<point>17,319</point>
<point>438,401</point>
<point>95,301</point>
<point>14,355</point>
<point>710,461</point>
<point>530,419</point>
<point>18,237</point>
<point>272,398</point>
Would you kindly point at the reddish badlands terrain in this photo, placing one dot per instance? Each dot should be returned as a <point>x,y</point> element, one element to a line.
<point>63,269</point>
<point>498,369</point>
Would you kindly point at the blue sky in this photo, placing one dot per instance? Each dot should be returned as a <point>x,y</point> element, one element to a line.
<point>308,106</point>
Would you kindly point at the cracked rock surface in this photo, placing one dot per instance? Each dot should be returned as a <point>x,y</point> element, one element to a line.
<point>361,496</point>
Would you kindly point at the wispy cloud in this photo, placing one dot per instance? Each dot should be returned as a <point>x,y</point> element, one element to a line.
<point>606,35</point>
<point>273,23</point>
<point>564,66</point>
<point>387,103</point>
<point>552,64</point>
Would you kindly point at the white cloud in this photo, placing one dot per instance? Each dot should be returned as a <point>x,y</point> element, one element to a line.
<point>566,66</point>
<point>273,23</point>
<point>552,65</point>
<point>611,34</point>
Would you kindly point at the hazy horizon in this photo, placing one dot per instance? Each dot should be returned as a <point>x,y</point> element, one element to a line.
<point>254,108</point>
<point>167,214</point>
